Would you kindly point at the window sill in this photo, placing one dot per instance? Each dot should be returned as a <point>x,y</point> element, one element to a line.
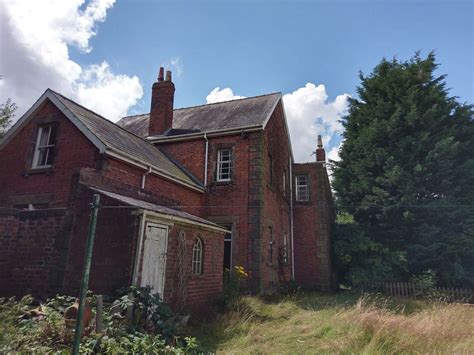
<point>34,171</point>
<point>222,183</point>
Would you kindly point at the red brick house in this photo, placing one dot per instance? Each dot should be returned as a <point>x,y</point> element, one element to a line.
<point>184,193</point>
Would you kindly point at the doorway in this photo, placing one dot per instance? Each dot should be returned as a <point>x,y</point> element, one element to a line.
<point>154,257</point>
<point>228,247</point>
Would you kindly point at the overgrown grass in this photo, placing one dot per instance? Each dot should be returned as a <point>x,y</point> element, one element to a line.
<point>341,323</point>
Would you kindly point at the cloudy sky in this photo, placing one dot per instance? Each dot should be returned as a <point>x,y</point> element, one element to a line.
<point>105,53</point>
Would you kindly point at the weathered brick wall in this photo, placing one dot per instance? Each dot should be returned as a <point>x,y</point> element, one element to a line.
<point>182,288</point>
<point>276,213</point>
<point>190,200</point>
<point>312,229</point>
<point>21,185</point>
<point>33,250</point>
<point>190,154</point>
<point>114,245</point>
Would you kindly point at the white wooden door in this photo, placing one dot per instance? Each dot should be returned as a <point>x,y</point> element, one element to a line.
<point>154,257</point>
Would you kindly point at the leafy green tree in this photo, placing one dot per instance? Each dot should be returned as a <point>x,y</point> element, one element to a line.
<point>406,175</point>
<point>7,112</point>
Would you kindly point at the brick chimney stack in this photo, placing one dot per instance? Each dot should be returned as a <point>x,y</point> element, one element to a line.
<point>162,100</point>
<point>320,152</point>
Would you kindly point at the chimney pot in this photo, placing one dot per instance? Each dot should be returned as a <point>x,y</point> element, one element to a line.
<point>320,152</point>
<point>161,74</point>
<point>168,75</point>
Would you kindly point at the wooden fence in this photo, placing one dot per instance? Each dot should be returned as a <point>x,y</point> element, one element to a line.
<point>411,289</point>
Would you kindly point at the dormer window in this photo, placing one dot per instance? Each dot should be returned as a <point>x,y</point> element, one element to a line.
<point>224,164</point>
<point>44,148</point>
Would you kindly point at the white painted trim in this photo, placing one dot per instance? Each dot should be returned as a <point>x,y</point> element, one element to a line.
<point>185,221</point>
<point>154,170</point>
<point>48,94</point>
<point>138,251</point>
<point>212,133</point>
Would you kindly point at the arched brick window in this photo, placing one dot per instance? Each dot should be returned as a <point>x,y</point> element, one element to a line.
<point>197,257</point>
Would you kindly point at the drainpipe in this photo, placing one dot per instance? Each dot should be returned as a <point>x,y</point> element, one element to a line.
<point>206,159</point>
<point>291,220</point>
<point>144,177</point>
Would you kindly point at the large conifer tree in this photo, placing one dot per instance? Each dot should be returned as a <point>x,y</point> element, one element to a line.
<point>406,175</point>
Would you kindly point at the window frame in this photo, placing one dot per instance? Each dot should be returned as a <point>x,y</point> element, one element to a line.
<point>298,186</point>
<point>220,162</point>
<point>197,257</point>
<point>49,146</point>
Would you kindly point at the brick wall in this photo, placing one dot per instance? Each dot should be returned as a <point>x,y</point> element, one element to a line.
<point>182,288</point>
<point>19,184</point>
<point>33,251</point>
<point>276,213</point>
<point>190,200</point>
<point>114,245</point>
<point>312,229</point>
<point>190,154</point>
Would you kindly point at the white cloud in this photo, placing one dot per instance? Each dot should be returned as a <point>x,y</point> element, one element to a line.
<point>333,154</point>
<point>177,66</point>
<point>35,38</point>
<point>309,114</point>
<point>218,95</point>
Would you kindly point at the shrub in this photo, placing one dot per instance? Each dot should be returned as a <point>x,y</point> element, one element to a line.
<point>231,286</point>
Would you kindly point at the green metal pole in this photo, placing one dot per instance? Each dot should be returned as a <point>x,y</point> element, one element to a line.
<point>85,273</point>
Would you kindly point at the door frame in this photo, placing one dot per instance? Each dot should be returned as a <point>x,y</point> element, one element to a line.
<point>145,220</point>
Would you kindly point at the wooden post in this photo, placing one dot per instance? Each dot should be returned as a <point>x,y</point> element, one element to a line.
<point>99,325</point>
<point>86,273</point>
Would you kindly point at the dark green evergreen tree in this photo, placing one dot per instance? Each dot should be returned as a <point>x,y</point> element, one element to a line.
<point>406,175</point>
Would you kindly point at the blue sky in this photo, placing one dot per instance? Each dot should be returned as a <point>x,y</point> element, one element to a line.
<point>250,47</point>
<point>265,46</point>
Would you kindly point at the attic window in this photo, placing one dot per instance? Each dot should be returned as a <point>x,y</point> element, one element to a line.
<point>224,164</point>
<point>44,147</point>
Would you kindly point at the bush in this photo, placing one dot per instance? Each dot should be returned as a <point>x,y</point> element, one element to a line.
<point>28,327</point>
<point>231,286</point>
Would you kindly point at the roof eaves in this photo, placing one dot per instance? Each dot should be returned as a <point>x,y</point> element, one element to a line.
<point>216,132</point>
<point>51,95</point>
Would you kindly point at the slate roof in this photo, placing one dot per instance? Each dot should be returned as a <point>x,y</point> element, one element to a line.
<point>250,111</point>
<point>153,207</point>
<point>121,140</point>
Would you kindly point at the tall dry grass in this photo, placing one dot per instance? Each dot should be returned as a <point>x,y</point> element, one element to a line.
<point>341,324</point>
<point>440,328</point>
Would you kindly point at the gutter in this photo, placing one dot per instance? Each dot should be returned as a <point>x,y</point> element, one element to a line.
<point>185,221</point>
<point>213,133</point>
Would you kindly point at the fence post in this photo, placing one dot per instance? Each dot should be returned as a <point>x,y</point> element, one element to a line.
<point>86,273</point>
